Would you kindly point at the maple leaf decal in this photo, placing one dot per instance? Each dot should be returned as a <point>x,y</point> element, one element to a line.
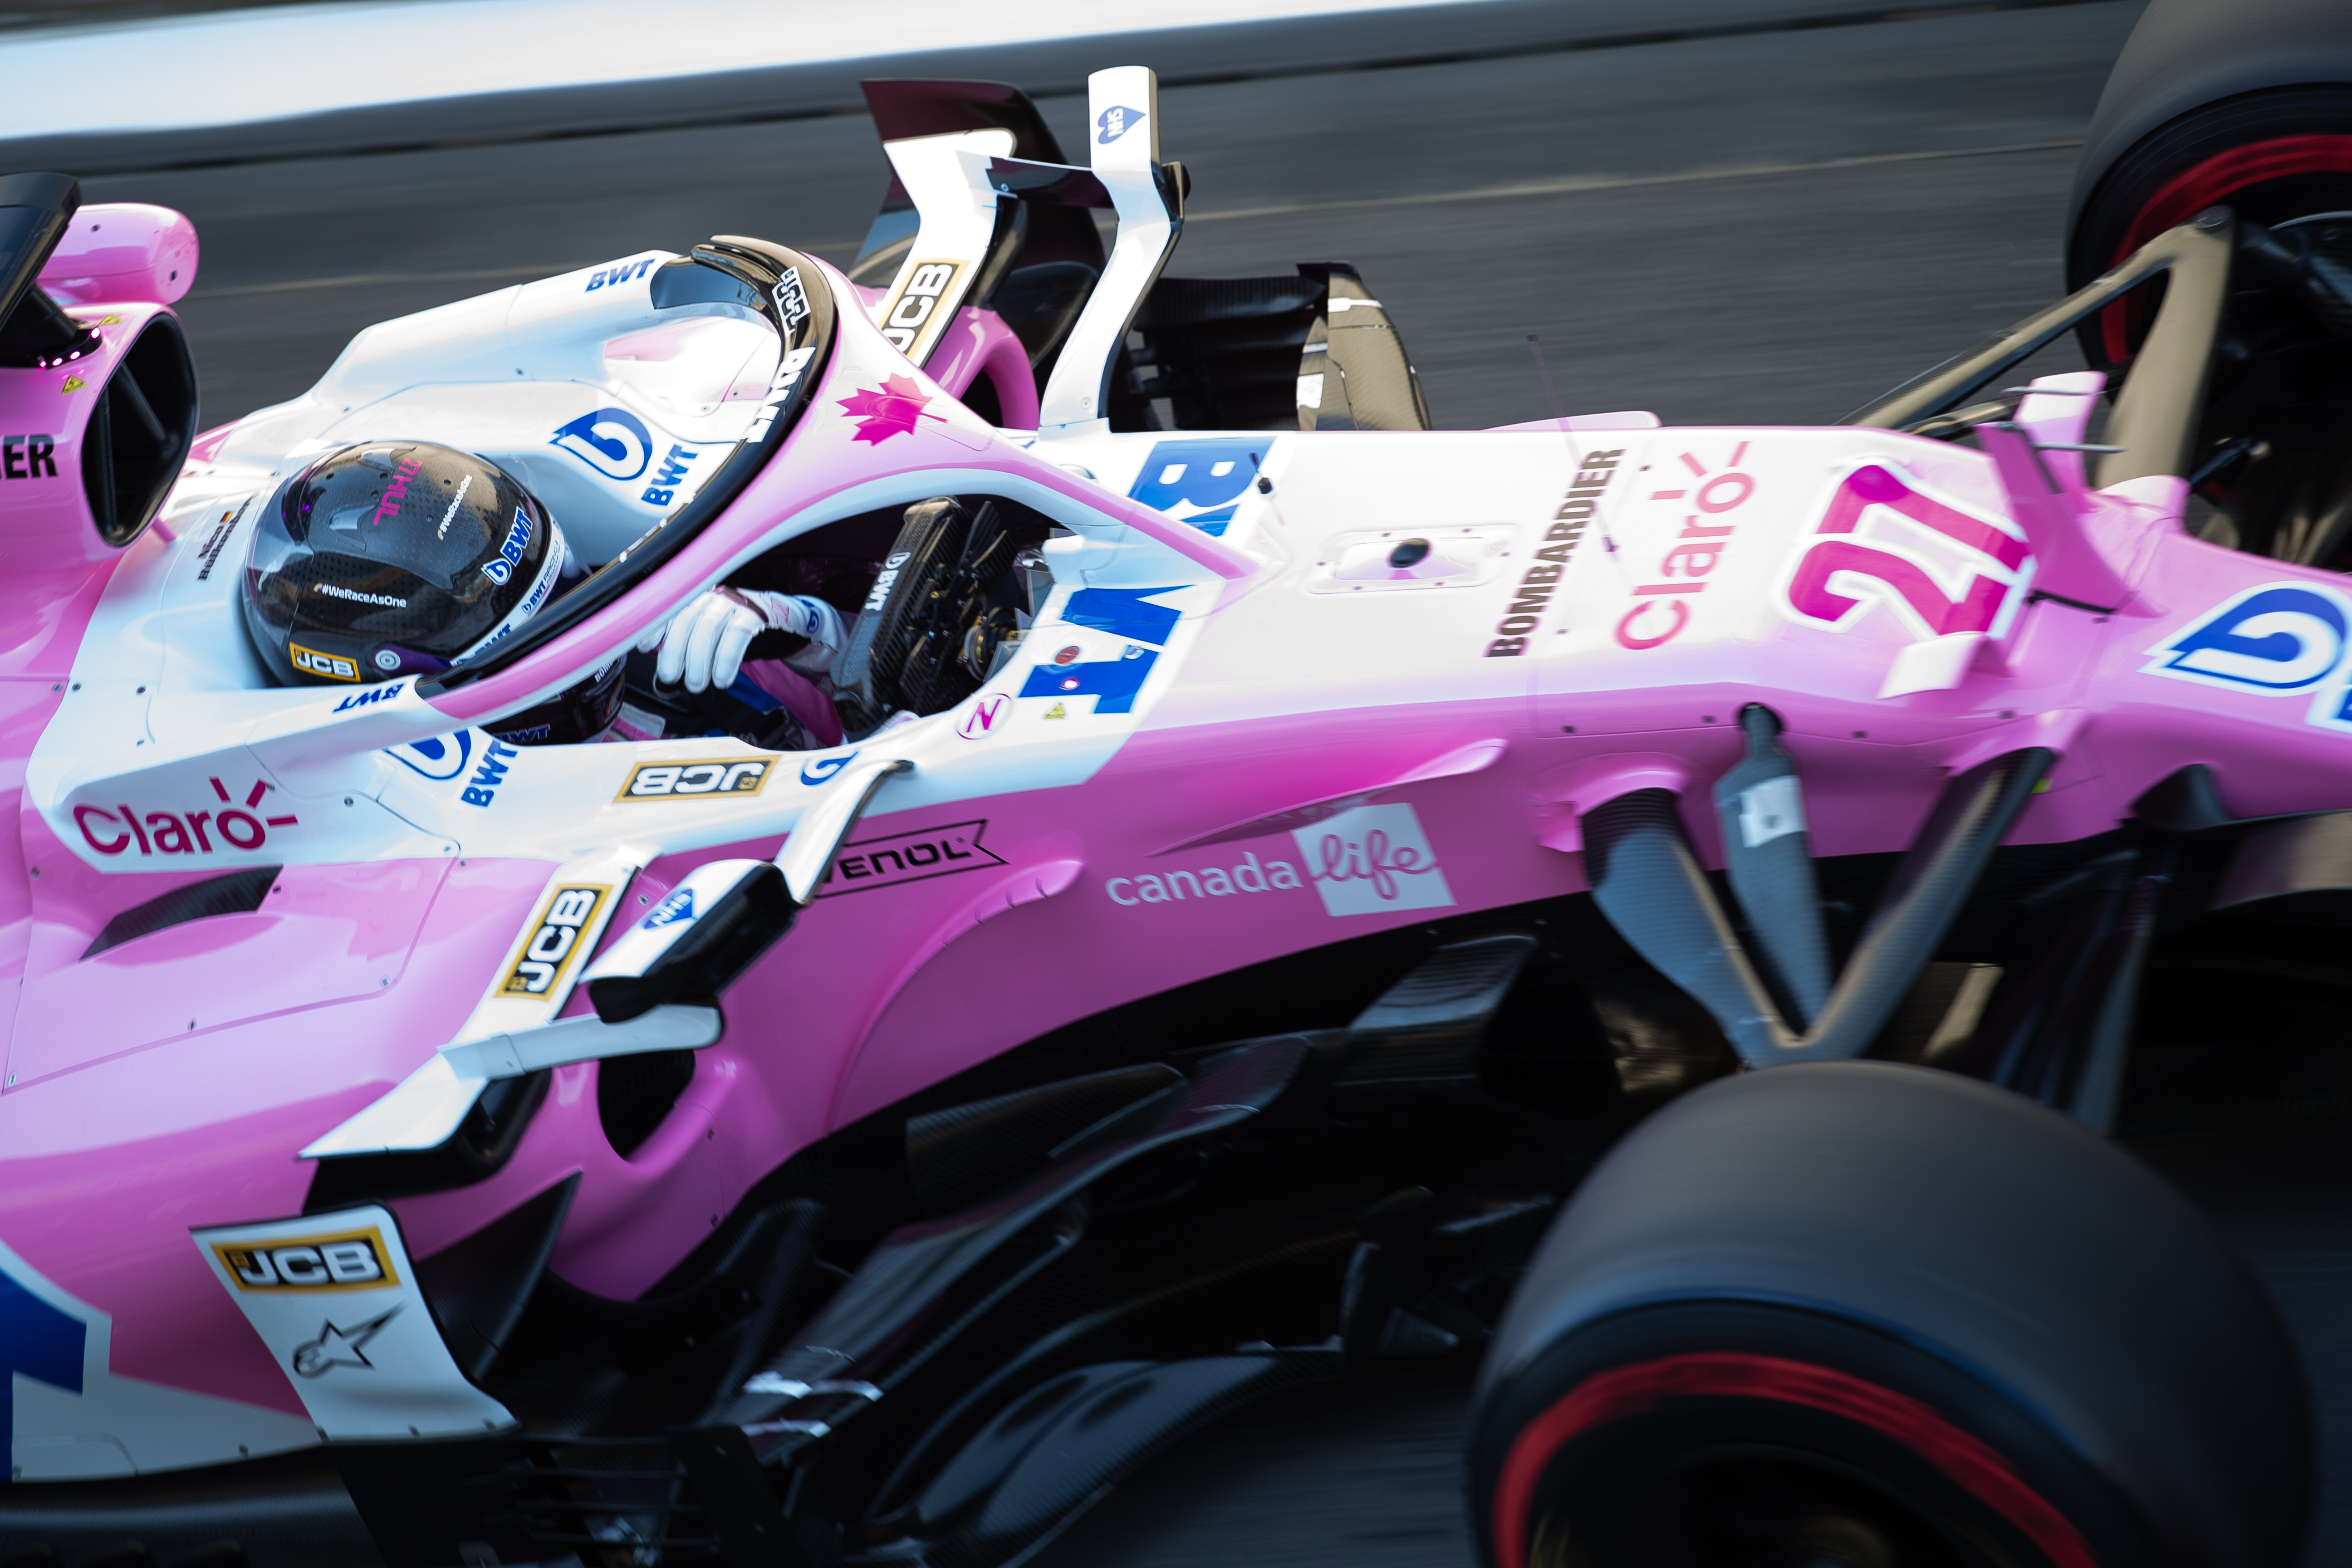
<point>890,409</point>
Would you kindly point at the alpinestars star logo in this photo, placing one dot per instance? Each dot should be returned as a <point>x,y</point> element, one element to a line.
<point>890,409</point>
<point>337,1346</point>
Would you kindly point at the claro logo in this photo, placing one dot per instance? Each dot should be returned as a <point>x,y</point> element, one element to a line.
<point>118,829</point>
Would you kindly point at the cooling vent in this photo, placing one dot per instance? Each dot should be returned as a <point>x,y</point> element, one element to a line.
<point>238,893</point>
<point>139,432</point>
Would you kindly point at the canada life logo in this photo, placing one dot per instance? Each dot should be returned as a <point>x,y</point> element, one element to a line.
<point>1368,860</point>
<point>2280,639</point>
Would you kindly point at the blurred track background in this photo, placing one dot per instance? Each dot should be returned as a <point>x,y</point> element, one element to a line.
<point>1721,210</point>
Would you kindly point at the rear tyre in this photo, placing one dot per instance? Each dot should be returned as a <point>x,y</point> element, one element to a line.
<point>1858,1313</point>
<point>2281,401</point>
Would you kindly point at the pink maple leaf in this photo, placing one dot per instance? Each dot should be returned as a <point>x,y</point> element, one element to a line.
<point>890,409</point>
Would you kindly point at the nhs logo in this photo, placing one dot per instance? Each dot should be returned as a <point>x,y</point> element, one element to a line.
<point>2279,640</point>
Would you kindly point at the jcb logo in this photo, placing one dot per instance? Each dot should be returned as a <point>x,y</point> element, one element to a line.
<point>328,665</point>
<point>554,940</point>
<point>357,1260</point>
<point>687,781</point>
<point>911,313</point>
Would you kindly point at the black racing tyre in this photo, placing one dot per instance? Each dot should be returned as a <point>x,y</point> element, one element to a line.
<point>1866,1314</point>
<point>2272,447</point>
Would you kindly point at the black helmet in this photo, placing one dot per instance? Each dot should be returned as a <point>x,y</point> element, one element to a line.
<point>579,712</point>
<point>394,557</point>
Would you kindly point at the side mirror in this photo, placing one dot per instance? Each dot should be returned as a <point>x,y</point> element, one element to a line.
<point>693,945</point>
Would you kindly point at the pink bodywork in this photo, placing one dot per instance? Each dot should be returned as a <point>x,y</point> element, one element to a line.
<point>167,1084</point>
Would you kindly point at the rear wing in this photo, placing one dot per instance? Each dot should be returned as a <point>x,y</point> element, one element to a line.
<point>983,211</point>
<point>974,199</point>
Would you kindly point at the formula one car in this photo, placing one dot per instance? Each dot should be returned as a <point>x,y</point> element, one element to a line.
<point>1277,850</point>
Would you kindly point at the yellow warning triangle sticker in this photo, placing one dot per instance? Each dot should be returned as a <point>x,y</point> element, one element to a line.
<point>73,384</point>
<point>1055,712</point>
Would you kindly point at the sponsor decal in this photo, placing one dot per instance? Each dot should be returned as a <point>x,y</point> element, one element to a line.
<point>1201,482</point>
<point>915,857</point>
<point>332,666</point>
<point>361,1353</point>
<point>1370,860</point>
<point>792,300</point>
<point>885,579</point>
<point>441,759</point>
<point>28,457</point>
<point>908,316</point>
<point>1661,612</point>
<point>1115,122</point>
<point>209,553</point>
<point>345,1260</point>
<point>455,501</point>
<point>779,392</point>
<point>335,590</point>
<point>676,909</point>
<point>114,830</point>
<point>499,568</point>
<point>2277,639</point>
<point>1057,711</point>
<point>698,780</point>
<point>1938,568</point>
<point>990,712</point>
<point>890,409</point>
<point>372,694</point>
<point>386,660</point>
<point>613,441</point>
<point>337,1346</point>
<point>820,770</point>
<point>481,789</point>
<point>1540,581</point>
<point>1207,882</point>
<point>1114,683</point>
<point>663,491</point>
<point>403,473</point>
<point>554,939</point>
<point>627,272</point>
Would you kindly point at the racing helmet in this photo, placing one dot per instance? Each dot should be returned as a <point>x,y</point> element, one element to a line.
<point>394,558</point>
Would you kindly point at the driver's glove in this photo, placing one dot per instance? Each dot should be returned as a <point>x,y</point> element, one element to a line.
<point>702,646</point>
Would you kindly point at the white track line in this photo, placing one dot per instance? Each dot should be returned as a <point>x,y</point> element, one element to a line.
<point>1477,194</point>
<point>229,68</point>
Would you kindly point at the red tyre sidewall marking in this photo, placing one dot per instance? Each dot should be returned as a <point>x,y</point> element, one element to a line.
<point>2193,189</point>
<point>1627,1390</point>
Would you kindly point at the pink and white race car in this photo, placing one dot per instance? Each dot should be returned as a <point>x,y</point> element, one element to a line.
<point>1275,851</point>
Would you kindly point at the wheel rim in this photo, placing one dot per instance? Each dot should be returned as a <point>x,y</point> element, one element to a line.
<point>1627,1392</point>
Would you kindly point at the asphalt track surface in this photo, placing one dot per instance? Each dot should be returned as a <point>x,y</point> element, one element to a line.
<point>1761,228</point>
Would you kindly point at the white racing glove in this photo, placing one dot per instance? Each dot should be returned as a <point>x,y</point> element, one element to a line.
<point>702,646</point>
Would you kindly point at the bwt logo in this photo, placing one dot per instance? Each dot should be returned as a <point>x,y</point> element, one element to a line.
<point>113,830</point>
<point>1116,121</point>
<point>499,568</point>
<point>613,441</point>
<point>372,694</point>
<point>628,271</point>
<point>2282,637</point>
<point>356,1261</point>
